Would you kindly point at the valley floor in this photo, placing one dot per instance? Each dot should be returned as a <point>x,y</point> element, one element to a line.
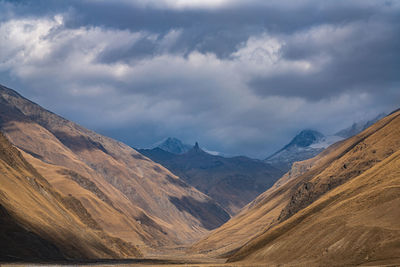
<point>178,261</point>
<point>165,264</point>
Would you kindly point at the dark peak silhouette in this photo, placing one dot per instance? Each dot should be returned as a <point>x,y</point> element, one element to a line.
<point>196,150</point>
<point>196,146</point>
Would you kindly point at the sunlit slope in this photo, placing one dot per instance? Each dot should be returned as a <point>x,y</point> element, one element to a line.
<point>307,182</point>
<point>355,223</point>
<point>257,216</point>
<point>37,222</point>
<point>127,194</point>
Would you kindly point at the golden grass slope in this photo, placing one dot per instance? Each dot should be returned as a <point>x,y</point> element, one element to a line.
<point>356,223</point>
<point>37,222</point>
<point>339,208</point>
<point>255,217</point>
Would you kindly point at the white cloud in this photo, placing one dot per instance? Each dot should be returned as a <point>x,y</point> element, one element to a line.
<point>176,4</point>
<point>209,4</point>
<point>262,55</point>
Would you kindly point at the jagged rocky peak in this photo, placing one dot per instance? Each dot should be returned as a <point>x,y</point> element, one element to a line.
<point>196,149</point>
<point>173,145</point>
<point>196,146</point>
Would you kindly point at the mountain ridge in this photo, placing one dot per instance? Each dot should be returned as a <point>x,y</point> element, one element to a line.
<point>357,127</point>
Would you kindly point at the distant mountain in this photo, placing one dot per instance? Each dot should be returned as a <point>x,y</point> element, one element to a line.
<point>85,187</point>
<point>172,145</point>
<point>232,182</point>
<point>358,127</point>
<point>305,145</point>
<point>305,138</point>
<point>309,143</point>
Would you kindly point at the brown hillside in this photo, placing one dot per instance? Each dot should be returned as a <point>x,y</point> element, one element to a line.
<point>344,195</point>
<point>125,193</point>
<point>355,223</point>
<point>37,222</point>
<point>255,217</point>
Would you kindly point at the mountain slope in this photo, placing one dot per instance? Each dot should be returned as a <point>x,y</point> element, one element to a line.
<point>38,223</point>
<point>356,223</point>
<point>358,127</point>
<point>127,194</point>
<point>232,182</point>
<point>328,209</point>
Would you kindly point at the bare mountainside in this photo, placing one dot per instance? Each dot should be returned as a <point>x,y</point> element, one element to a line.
<point>39,223</point>
<point>339,208</point>
<point>125,193</point>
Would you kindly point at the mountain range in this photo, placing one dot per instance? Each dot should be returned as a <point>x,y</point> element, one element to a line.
<point>235,181</point>
<point>309,143</point>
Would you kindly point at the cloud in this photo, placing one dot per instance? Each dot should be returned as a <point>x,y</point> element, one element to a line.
<point>342,58</point>
<point>179,4</point>
<point>191,71</point>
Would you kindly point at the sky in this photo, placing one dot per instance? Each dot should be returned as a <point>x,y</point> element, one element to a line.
<point>239,77</point>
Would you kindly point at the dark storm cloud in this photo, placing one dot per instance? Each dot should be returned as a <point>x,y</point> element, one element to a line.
<point>218,31</point>
<point>365,59</point>
<point>238,76</point>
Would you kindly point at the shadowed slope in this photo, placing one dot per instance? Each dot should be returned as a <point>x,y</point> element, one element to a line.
<point>37,222</point>
<point>17,243</point>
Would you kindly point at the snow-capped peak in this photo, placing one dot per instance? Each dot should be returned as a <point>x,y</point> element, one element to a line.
<point>172,145</point>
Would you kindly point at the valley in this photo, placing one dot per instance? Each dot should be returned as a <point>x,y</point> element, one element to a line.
<point>61,182</point>
<point>201,133</point>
